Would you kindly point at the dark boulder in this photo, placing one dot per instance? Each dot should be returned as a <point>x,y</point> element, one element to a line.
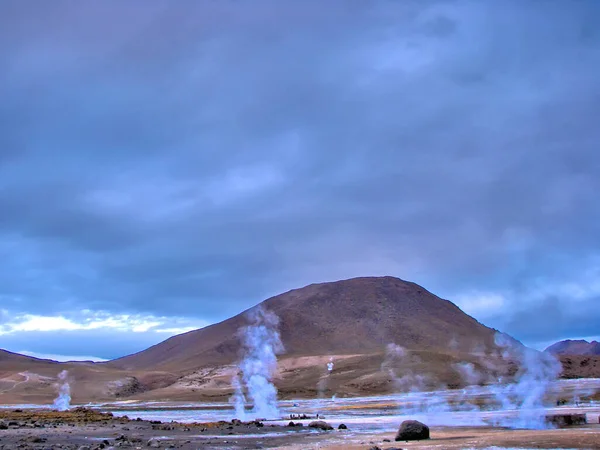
<point>412,430</point>
<point>566,420</point>
<point>342,427</point>
<point>321,425</point>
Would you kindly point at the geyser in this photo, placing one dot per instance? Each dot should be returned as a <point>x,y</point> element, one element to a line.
<point>261,344</point>
<point>537,370</point>
<point>63,401</point>
<point>330,365</point>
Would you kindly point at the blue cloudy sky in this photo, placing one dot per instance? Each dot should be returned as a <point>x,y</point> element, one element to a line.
<point>165,165</point>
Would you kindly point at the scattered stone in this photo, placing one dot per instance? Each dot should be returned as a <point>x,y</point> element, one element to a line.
<point>84,447</point>
<point>342,427</point>
<point>412,430</point>
<point>320,425</point>
<point>386,440</point>
<point>374,448</point>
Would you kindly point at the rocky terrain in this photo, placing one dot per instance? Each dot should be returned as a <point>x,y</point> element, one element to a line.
<point>83,428</point>
<point>86,429</point>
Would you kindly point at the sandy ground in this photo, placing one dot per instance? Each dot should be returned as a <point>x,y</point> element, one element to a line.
<point>86,429</point>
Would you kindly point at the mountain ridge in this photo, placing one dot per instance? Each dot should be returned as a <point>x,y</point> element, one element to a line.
<point>575,347</point>
<point>357,315</point>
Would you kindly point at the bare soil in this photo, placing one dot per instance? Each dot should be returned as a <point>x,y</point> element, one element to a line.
<point>87,429</point>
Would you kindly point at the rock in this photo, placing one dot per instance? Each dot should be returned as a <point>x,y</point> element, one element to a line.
<point>83,447</point>
<point>3,425</point>
<point>154,443</point>
<point>321,425</point>
<point>374,448</point>
<point>565,420</point>
<point>291,424</point>
<point>412,430</point>
<point>342,427</point>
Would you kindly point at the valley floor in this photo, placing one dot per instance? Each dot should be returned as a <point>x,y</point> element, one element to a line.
<point>75,434</point>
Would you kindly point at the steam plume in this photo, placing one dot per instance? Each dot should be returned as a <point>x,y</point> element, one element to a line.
<point>537,370</point>
<point>63,401</point>
<point>261,344</point>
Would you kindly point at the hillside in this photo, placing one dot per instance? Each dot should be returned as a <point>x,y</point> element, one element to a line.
<point>356,316</point>
<point>575,347</point>
<point>24,379</point>
<point>352,321</point>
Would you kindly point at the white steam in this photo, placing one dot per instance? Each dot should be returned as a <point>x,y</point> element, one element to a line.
<point>324,381</point>
<point>518,382</point>
<point>527,394</point>
<point>397,364</point>
<point>261,344</point>
<point>238,399</point>
<point>63,401</point>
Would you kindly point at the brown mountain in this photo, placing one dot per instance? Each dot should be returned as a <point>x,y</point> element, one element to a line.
<point>575,347</point>
<point>356,316</point>
<point>353,321</point>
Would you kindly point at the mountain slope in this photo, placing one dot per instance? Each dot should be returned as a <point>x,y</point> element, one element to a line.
<point>575,347</point>
<point>356,316</point>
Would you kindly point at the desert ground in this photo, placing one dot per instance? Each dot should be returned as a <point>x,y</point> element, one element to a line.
<point>52,430</point>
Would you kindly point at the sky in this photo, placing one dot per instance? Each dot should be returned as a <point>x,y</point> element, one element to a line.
<point>166,165</point>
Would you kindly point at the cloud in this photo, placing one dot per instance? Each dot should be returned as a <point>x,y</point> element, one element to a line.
<point>103,335</point>
<point>191,159</point>
<point>61,358</point>
<point>544,310</point>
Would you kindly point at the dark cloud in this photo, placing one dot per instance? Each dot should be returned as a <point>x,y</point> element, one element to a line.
<point>551,318</point>
<point>194,158</point>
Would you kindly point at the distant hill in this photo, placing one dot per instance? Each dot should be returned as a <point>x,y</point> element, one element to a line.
<point>356,316</point>
<point>575,347</point>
